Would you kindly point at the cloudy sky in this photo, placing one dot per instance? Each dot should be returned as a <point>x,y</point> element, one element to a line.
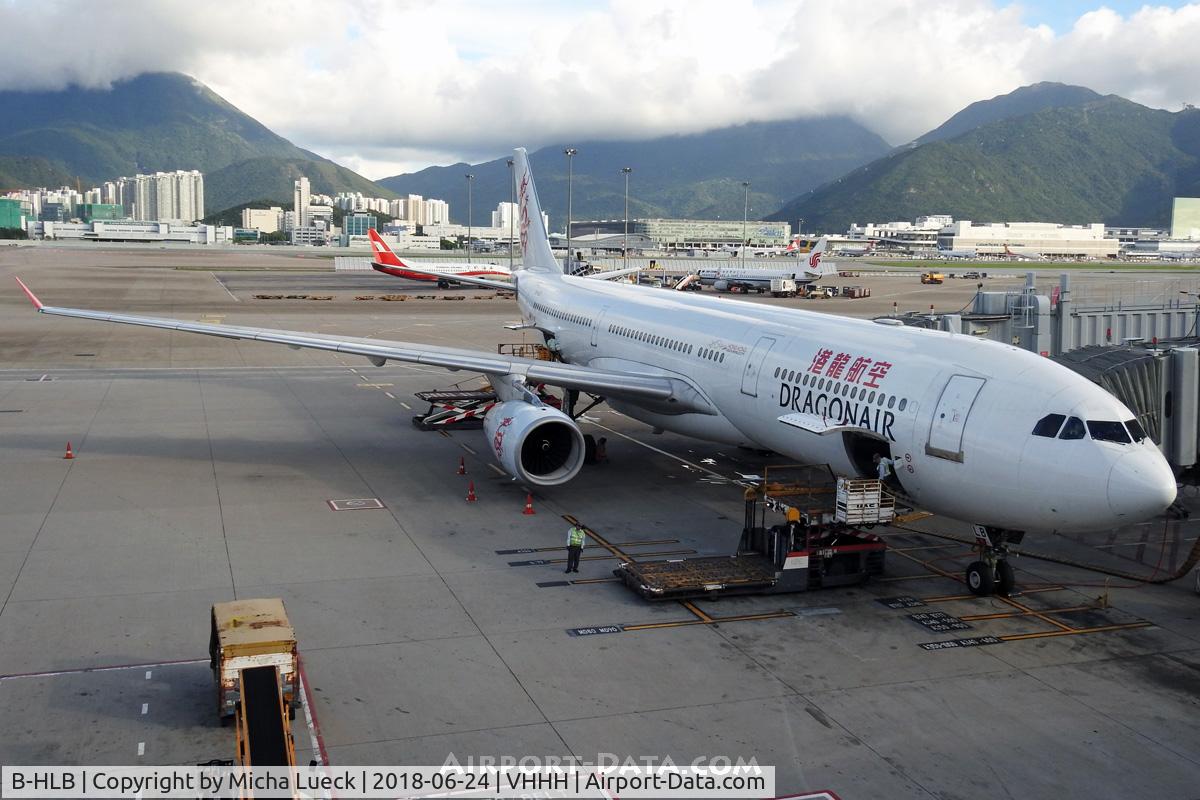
<point>388,86</point>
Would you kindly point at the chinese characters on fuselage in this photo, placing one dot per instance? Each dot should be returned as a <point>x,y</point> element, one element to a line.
<point>845,374</point>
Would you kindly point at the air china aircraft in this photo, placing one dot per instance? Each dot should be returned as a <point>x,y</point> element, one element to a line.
<point>388,262</point>
<point>731,278</point>
<point>980,431</point>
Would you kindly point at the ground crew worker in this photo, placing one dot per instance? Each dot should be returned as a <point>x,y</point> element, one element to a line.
<point>575,536</point>
<point>601,450</point>
<point>885,469</point>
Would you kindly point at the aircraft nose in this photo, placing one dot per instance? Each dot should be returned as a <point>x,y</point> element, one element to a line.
<point>1140,485</point>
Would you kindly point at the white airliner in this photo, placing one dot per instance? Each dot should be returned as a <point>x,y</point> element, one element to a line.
<point>737,278</point>
<point>980,431</point>
<point>388,262</point>
<point>966,252</point>
<point>855,252</point>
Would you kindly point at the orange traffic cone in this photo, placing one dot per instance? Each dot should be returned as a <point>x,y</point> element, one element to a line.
<point>70,452</point>
<point>462,465</point>
<point>529,505</point>
<point>471,492</point>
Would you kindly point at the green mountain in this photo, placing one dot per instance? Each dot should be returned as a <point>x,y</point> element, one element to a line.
<point>17,172</point>
<point>1109,160</point>
<point>273,177</point>
<point>698,176</point>
<point>155,121</point>
<point>1018,103</point>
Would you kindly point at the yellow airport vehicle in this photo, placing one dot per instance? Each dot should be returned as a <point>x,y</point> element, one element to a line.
<point>932,277</point>
<point>252,652</point>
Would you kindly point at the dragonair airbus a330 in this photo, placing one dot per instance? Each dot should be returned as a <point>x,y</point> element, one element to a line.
<point>980,431</point>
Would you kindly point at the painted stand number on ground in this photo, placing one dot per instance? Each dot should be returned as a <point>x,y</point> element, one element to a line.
<point>939,621</point>
<point>975,641</point>
<point>595,631</point>
<point>903,601</point>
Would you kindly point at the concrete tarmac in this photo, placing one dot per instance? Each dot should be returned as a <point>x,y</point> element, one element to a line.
<point>203,472</point>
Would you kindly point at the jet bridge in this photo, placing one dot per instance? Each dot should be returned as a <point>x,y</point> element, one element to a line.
<point>1145,353</point>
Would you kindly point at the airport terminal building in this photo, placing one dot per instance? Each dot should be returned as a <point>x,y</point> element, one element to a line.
<point>130,231</point>
<point>691,233</point>
<point>1043,238</point>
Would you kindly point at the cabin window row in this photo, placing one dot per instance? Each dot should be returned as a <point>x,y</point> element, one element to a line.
<point>860,393</point>
<point>1060,426</point>
<point>652,339</point>
<point>577,319</point>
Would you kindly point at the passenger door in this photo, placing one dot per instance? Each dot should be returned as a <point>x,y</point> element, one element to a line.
<point>950,417</point>
<point>754,365</point>
<point>596,323</point>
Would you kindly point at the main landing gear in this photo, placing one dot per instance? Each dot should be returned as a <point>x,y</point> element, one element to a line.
<point>992,574</point>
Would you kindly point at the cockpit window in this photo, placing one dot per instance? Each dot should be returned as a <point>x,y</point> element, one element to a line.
<point>1074,429</point>
<point>1135,430</point>
<point>1105,431</point>
<point>1048,425</point>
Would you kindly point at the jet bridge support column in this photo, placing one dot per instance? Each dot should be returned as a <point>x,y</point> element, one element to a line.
<point>1179,417</point>
<point>1061,340</point>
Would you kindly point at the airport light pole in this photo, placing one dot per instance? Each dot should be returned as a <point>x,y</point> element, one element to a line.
<point>511,214</point>
<point>625,244</point>
<point>470,185</point>
<point>745,216</point>
<point>570,154</point>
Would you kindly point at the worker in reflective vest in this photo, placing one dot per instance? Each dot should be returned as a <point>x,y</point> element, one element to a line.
<point>575,536</point>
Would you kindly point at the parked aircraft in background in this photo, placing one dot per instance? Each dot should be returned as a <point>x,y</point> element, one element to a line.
<point>855,252</point>
<point>963,252</point>
<point>979,430</point>
<point>736,278</point>
<point>388,262</point>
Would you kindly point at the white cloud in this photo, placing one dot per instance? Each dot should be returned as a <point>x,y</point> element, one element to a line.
<point>383,86</point>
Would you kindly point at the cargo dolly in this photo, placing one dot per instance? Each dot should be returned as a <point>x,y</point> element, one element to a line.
<point>821,544</point>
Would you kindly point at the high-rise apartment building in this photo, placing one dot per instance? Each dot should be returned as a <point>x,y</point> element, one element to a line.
<point>163,196</point>
<point>301,196</point>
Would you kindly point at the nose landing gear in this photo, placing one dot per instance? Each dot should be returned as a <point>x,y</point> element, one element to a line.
<point>992,574</point>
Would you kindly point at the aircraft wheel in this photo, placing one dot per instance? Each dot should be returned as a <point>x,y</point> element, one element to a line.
<point>980,579</point>
<point>443,284</point>
<point>1006,578</point>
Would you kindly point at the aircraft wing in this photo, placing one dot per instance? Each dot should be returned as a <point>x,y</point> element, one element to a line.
<point>669,391</point>
<point>445,276</point>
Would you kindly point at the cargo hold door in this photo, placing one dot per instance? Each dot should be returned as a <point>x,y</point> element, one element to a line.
<point>950,417</point>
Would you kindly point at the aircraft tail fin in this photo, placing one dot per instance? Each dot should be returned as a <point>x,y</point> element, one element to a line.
<point>793,245</point>
<point>816,258</point>
<point>536,255</point>
<point>383,254</point>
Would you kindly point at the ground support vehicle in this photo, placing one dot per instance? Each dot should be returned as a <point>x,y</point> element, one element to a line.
<point>812,549</point>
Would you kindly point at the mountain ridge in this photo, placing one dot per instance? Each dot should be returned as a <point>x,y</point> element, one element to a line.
<point>693,175</point>
<point>156,121</point>
<point>1107,160</point>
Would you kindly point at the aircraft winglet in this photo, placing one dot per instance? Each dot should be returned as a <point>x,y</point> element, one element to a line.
<point>32,297</point>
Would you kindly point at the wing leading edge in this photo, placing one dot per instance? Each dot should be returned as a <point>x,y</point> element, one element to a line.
<point>669,392</point>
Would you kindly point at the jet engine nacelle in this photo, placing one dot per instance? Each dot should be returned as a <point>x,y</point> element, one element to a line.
<point>721,285</point>
<point>538,444</point>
